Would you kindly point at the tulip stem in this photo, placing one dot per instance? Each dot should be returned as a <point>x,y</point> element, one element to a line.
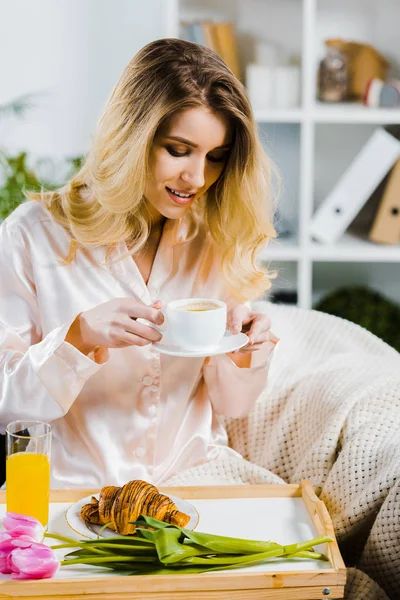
<point>92,549</point>
<point>63,538</point>
<point>101,559</point>
<point>59,546</point>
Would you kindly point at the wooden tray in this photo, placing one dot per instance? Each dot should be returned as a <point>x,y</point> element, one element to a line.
<point>235,585</point>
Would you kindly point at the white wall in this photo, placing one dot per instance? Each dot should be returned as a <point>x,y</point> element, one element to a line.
<point>70,53</point>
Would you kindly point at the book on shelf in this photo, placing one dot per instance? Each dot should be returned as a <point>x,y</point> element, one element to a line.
<point>208,35</point>
<point>225,42</point>
<point>218,36</point>
<point>386,226</point>
<point>355,187</point>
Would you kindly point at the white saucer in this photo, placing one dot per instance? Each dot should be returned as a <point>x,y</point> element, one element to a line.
<point>229,343</point>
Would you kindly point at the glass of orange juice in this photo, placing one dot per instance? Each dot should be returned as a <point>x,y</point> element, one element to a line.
<point>28,469</point>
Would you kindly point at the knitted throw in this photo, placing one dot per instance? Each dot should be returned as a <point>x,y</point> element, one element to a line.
<point>330,414</point>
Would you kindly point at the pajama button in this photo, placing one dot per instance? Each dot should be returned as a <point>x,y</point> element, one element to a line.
<point>140,452</point>
<point>147,380</point>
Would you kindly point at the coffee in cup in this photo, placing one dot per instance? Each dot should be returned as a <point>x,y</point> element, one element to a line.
<point>198,306</point>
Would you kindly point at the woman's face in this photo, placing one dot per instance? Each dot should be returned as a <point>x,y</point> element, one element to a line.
<point>188,155</point>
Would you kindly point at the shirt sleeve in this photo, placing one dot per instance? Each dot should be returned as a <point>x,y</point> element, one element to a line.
<point>233,390</point>
<point>40,377</point>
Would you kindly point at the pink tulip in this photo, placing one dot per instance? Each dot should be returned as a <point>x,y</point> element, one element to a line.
<point>35,562</point>
<point>8,544</point>
<point>17,525</point>
<point>5,549</point>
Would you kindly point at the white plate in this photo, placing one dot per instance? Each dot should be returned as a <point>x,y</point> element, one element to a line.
<point>229,343</point>
<point>89,530</point>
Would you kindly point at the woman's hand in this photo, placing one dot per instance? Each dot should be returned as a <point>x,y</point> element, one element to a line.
<point>257,326</point>
<point>113,324</point>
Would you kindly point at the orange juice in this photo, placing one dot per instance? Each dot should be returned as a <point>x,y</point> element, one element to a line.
<point>28,485</point>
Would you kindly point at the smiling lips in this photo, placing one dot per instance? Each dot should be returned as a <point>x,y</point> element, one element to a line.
<point>181,198</point>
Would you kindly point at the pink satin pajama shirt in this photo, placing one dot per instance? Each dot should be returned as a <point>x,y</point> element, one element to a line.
<point>140,414</point>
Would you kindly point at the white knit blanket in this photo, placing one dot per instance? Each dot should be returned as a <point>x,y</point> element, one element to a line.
<point>330,414</point>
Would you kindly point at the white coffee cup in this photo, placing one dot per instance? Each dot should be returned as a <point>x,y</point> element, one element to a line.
<point>195,324</point>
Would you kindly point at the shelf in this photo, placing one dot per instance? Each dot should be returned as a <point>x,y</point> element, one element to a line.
<point>285,249</point>
<point>353,113</point>
<point>353,249</point>
<point>279,116</point>
<point>329,113</point>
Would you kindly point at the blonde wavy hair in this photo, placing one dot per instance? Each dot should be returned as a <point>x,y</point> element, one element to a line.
<point>104,203</point>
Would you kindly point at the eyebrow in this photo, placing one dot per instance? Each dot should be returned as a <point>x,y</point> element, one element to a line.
<point>192,144</point>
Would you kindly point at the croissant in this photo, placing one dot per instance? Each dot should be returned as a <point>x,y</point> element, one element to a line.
<point>119,506</point>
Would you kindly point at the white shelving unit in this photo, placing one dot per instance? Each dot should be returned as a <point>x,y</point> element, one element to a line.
<point>313,143</point>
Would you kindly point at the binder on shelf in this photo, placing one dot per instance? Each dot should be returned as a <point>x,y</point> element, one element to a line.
<point>353,189</point>
<point>386,226</point>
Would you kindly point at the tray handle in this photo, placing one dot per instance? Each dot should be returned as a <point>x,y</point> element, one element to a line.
<point>323,523</point>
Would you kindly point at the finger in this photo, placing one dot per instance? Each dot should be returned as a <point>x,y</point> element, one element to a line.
<point>261,339</point>
<point>141,311</point>
<point>144,331</point>
<point>247,318</point>
<point>125,339</point>
<point>260,325</point>
<point>267,337</point>
<point>236,317</point>
<point>253,348</point>
<point>249,349</point>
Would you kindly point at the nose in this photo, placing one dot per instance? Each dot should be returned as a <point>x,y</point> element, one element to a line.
<point>194,173</point>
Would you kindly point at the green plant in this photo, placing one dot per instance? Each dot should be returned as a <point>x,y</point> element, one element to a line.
<point>367,308</point>
<point>16,176</point>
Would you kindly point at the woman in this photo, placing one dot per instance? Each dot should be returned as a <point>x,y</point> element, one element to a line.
<point>172,202</point>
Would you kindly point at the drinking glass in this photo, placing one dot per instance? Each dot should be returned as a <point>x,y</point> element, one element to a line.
<point>28,446</point>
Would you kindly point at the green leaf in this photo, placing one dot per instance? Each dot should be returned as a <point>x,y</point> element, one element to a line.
<point>154,523</point>
<point>217,543</point>
<point>171,549</point>
<point>229,545</point>
<point>292,548</point>
<point>235,560</point>
<point>98,560</point>
<point>127,540</point>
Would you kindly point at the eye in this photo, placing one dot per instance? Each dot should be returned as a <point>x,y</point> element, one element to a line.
<point>171,150</point>
<point>218,159</point>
